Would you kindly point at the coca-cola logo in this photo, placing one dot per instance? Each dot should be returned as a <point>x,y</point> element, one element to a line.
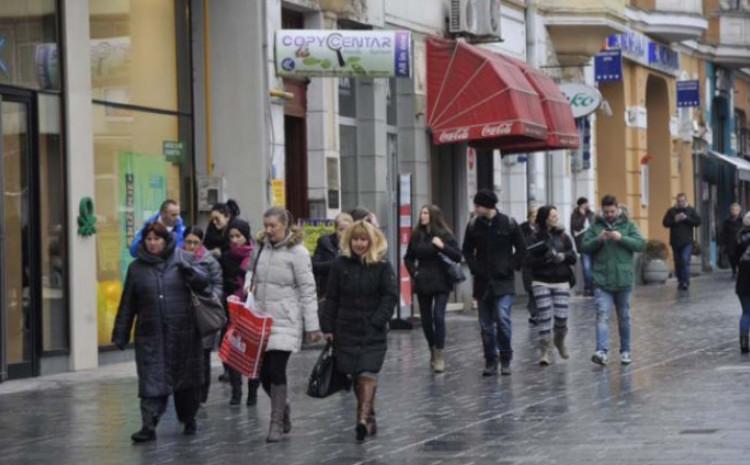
<point>494,130</point>
<point>454,135</point>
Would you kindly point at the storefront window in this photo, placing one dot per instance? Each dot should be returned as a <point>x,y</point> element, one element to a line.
<point>141,159</point>
<point>28,44</point>
<point>52,221</point>
<point>347,97</point>
<point>139,49</point>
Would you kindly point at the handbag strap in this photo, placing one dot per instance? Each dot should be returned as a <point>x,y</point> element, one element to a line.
<point>255,265</point>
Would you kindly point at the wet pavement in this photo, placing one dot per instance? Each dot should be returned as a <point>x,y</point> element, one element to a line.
<point>684,400</point>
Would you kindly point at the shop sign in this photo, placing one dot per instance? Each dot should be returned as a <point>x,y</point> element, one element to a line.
<point>608,66</point>
<point>583,99</point>
<point>688,94</point>
<point>336,53</point>
<point>404,234</point>
<point>278,193</point>
<point>636,117</point>
<point>639,48</point>
<point>173,150</point>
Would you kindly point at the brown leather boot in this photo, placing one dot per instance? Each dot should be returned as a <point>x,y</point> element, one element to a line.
<point>365,390</point>
<point>372,425</point>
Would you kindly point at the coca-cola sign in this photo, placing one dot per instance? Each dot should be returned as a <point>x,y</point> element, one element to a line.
<point>496,130</point>
<point>454,135</point>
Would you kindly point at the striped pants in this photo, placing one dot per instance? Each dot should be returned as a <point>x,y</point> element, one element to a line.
<point>551,302</point>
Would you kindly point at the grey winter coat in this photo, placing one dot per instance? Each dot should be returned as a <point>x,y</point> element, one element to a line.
<point>168,350</point>
<point>212,269</point>
<point>285,290</point>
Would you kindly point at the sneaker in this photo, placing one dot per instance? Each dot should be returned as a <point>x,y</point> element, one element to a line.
<point>490,368</point>
<point>599,357</point>
<point>625,358</point>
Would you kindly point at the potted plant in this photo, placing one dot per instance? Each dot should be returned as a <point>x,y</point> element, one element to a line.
<point>696,264</point>
<point>655,269</point>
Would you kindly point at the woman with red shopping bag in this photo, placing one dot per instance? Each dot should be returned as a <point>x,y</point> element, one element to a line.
<point>284,289</point>
<point>362,294</point>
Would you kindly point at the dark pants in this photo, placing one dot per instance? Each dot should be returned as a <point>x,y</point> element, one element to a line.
<point>733,262</point>
<point>495,325</point>
<point>682,263</point>
<point>273,370</point>
<point>186,403</point>
<point>433,318</point>
<point>745,318</point>
<point>206,375</point>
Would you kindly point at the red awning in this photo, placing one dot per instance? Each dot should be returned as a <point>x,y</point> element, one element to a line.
<point>493,101</point>
<point>474,95</point>
<point>561,127</point>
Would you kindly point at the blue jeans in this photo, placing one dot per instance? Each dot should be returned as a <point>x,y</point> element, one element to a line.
<point>682,256</point>
<point>495,324</point>
<point>588,276</point>
<point>745,319</point>
<point>605,301</point>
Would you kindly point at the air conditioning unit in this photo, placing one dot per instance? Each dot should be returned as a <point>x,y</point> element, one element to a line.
<point>477,18</point>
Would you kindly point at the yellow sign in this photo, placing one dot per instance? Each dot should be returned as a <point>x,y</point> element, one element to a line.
<point>278,193</point>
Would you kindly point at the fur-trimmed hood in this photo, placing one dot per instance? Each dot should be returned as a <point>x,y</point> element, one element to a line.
<point>294,237</point>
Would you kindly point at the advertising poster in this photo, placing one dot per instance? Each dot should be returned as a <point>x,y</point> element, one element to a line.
<point>404,236</point>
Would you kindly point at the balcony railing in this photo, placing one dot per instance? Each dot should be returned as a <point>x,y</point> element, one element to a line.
<point>734,5</point>
<point>690,7</point>
<point>584,7</point>
<point>734,29</point>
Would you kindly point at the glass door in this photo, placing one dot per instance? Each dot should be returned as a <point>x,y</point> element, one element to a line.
<point>18,272</point>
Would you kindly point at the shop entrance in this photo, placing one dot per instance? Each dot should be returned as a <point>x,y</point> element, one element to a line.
<point>20,277</point>
<point>657,167</point>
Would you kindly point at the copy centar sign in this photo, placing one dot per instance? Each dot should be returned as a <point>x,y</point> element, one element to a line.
<point>335,53</point>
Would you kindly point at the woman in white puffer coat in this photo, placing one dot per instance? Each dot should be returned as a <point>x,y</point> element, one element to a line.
<point>284,288</point>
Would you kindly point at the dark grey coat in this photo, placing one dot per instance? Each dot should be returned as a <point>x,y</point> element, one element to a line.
<point>208,264</point>
<point>168,350</point>
<point>359,304</point>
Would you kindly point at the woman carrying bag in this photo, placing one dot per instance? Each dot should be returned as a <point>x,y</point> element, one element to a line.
<point>361,296</point>
<point>551,257</point>
<point>430,239</point>
<point>284,289</point>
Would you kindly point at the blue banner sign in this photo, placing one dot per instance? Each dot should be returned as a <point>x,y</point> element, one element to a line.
<point>639,48</point>
<point>608,66</point>
<point>688,94</point>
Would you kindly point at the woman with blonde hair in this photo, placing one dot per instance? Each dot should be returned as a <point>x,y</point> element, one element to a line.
<point>361,296</point>
<point>284,288</point>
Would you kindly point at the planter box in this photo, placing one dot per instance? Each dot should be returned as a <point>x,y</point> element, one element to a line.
<point>655,271</point>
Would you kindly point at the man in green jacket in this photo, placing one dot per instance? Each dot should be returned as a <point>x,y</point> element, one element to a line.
<point>611,241</point>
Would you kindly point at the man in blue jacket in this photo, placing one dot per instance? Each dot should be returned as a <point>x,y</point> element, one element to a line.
<point>169,216</point>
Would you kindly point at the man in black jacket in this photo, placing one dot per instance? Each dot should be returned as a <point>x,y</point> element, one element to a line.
<point>327,250</point>
<point>681,220</point>
<point>580,221</point>
<point>494,249</point>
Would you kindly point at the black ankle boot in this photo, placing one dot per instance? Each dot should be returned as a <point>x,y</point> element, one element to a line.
<point>190,428</point>
<point>145,434</point>
<point>252,392</point>
<point>744,344</point>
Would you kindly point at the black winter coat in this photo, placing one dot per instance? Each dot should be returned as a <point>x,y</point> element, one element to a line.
<point>168,350</point>
<point>216,239</point>
<point>578,225</point>
<point>325,254</point>
<point>493,249</point>
<point>425,266</point>
<point>728,234</point>
<point>681,232</point>
<point>543,266</point>
<point>742,286</point>
<point>359,304</point>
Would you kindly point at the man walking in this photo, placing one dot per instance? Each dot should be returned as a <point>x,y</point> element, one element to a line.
<point>580,221</point>
<point>681,219</point>
<point>169,216</point>
<point>494,248</point>
<point>611,241</point>
<point>728,236</point>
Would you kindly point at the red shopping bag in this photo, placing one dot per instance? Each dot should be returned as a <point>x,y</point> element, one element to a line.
<point>246,338</point>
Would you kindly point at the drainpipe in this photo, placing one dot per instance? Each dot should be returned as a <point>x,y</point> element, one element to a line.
<point>530,20</point>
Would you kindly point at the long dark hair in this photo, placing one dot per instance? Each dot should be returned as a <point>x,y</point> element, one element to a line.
<point>437,225</point>
<point>542,215</point>
<point>196,231</point>
<point>230,209</point>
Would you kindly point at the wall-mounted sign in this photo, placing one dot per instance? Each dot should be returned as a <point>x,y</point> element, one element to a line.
<point>321,53</point>
<point>173,150</point>
<point>636,117</point>
<point>639,48</point>
<point>608,66</point>
<point>583,99</point>
<point>688,94</point>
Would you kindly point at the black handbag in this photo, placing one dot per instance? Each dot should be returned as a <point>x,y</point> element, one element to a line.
<point>209,312</point>
<point>454,270</point>
<point>325,379</point>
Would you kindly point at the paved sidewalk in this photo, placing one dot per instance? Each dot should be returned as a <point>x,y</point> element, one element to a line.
<point>685,400</point>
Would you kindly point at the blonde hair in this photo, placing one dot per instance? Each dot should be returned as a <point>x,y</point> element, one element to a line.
<point>343,218</point>
<point>378,243</point>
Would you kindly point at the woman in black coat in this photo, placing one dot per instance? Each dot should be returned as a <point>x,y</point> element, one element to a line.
<point>728,235</point>
<point>326,252</point>
<point>168,346</point>
<point>742,287</point>
<point>362,293</point>
<point>193,243</point>
<point>430,238</point>
<point>550,258</point>
<point>216,240</point>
